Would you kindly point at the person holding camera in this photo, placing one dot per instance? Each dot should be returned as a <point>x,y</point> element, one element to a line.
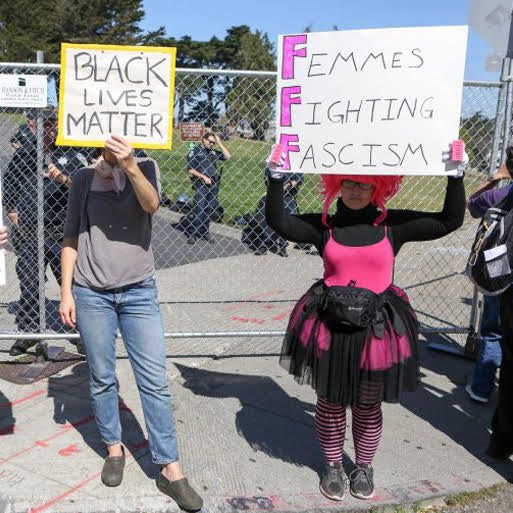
<point>202,166</point>
<point>501,440</point>
<point>353,336</point>
<point>489,356</point>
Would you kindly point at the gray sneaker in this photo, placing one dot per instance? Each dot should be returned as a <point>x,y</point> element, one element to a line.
<point>333,483</point>
<point>361,481</point>
<point>181,492</point>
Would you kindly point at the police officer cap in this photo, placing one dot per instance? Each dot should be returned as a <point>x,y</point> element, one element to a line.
<point>31,113</point>
<point>48,114</point>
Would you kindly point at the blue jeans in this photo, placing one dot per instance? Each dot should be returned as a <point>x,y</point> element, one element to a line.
<point>135,310</point>
<point>205,202</point>
<point>489,357</point>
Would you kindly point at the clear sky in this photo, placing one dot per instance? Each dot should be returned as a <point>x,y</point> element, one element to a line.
<point>203,19</point>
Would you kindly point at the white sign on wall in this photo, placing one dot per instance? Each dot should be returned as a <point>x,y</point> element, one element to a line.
<point>23,91</point>
<point>382,102</point>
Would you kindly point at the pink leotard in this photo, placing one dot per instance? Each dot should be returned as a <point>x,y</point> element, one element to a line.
<point>368,267</point>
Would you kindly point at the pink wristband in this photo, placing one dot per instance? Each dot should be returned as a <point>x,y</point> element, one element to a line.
<point>276,155</point>
<point>457,150</point>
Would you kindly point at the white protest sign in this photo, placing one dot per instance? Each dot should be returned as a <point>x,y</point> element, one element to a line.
<point>23,91</point>
<point>382,102</point>
<point>123,90</point>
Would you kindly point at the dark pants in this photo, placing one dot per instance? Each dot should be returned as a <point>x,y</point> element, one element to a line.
<point>268,237</point>
<point>205,202</point>
<point>27,271</point>
<point>502,422</point>
<point>489,356</point>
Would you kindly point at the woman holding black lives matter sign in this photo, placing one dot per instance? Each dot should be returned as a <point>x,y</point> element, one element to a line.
<point>107,255</point>
<point>353,335</point>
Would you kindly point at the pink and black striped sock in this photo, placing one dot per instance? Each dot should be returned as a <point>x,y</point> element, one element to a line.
<point>367,430</point>
<point>330,423</point>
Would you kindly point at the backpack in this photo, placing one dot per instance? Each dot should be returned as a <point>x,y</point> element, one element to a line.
<point>490,262</point>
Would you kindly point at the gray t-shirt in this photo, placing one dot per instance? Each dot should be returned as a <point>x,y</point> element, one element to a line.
<point>113,231</point>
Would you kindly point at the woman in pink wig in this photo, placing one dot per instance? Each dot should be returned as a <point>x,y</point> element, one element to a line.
<point>353,335</point>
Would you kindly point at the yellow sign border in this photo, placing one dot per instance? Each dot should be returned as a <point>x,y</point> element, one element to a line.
<point>64,141</point>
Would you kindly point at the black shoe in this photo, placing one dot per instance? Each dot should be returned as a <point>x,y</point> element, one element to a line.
<point>181,492</point>
<point>498,451</point>
<point>333,484</point>
<point>112,472</point>
<point>260,251</point>
<point>209,239</point>
<point>361,481</point>
<point>280,251</point>
<point>21,346</point>
<point>80,347</point>
<point>191,240</point>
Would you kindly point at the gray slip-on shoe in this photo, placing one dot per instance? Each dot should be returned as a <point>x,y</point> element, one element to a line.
<point>181,492</point>
<point>112,472</point>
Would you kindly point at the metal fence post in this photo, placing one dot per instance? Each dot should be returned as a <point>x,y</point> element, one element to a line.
<point>40,215</point>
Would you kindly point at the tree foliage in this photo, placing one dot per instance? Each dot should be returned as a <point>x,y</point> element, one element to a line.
<point>27,26</point>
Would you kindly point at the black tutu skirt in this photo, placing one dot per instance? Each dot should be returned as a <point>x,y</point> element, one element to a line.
<point>354,366</point>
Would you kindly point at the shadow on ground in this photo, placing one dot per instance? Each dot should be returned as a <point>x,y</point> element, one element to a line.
<point>451,411</point>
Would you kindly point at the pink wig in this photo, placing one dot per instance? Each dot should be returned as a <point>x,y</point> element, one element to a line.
<point>385,187</point>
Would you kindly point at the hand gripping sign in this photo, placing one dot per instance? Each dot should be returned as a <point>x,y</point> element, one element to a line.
<point>124,90</point>
<point>383,102</point>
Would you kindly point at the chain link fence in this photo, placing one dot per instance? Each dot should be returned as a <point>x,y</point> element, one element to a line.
<point>244,281</point>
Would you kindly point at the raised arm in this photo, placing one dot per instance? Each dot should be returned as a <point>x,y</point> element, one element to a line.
<point>411,225</point>
<point>296,228</point>
<point>144,190</point>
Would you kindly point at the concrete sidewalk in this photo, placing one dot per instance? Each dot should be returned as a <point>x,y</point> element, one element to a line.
<point>246,438</point>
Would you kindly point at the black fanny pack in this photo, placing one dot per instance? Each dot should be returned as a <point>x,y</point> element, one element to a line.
<point>349,306</point>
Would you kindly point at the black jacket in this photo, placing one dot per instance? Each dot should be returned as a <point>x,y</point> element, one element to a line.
<point>20,185</point>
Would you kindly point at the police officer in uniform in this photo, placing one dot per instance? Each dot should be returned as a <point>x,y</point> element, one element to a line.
<point>20,198</point>
<point>268,239</point>
<point>202,166</point>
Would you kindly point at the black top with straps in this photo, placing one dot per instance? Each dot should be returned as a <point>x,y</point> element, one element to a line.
<point>355,228</point>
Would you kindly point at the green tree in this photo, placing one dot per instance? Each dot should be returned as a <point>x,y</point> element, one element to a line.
<point>252,99</point>
<point>477,132</point>
<point>27,26</point>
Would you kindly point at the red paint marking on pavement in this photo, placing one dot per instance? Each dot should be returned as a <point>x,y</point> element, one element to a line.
<point>51,502</point>
<point>269,307</point>
<point>281,316</point>
<point>124,407</point>
<point>237,306</point>
<point>70,450</point>
<point>8,404</point>
<point>140,445</point>
<point>244,319</point>
<point>43,443</point>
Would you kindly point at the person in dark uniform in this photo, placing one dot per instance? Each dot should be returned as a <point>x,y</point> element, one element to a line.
<point>202,166</point>
<point>20,198</point>
<point>268,239</point>
<point>25,132</point>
